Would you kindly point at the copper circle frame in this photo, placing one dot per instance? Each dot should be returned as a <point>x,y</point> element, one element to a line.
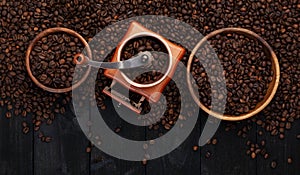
<point>141,34</point>
<point>272,86</point>
<point>45,33</point>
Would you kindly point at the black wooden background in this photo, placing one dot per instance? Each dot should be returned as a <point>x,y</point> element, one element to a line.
<point>66,155</point>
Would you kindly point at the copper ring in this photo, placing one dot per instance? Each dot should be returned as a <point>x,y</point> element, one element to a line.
<point>272,86</point>
<point>45,33</point>
<point>166,74</point>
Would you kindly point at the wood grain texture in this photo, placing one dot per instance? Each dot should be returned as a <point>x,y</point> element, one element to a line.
<point>15,147</point>
<point>65,154</point>
<point>228,157</point>
<point>182,160</point>
<point>280,151</point>
<point>104,164</point>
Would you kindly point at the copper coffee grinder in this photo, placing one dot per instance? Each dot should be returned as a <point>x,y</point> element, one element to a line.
<point>115,66</point>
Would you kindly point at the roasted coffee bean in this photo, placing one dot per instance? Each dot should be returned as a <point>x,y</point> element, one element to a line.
<point>145,146</point>
<point>117,130</point>
<point>195,148</point>
<point>214,141</point>
<point>48,139</point>
<point>290,160</point>
<point>266,156</point>
<point>38,123</point>
<point>88,149</point>
<point>36,128</point>
<point>207,154</point>
<point>24,124</point>
<point>273,164</point>
<point>151,142</point>
<point>25,130</point>
<point>253,155</point>
<point>144,161</point>
<point>8,114</point>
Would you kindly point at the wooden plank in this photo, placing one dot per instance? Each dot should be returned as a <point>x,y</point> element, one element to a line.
<point>182,160</point>
<point>292,149</point>
<point>102,163</point>
<point>228,156</point>
<point>65,154</point>
<point>280,151</point>
<point>15,148</point>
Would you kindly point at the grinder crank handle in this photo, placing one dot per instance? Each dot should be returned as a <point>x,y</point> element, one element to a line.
<point>141,59</point>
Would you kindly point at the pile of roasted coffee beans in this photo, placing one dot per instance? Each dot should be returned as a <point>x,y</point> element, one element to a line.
<point>51,60</point>
<point>276,21</point>
<point>146,74</point>
<point>245,67</point>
